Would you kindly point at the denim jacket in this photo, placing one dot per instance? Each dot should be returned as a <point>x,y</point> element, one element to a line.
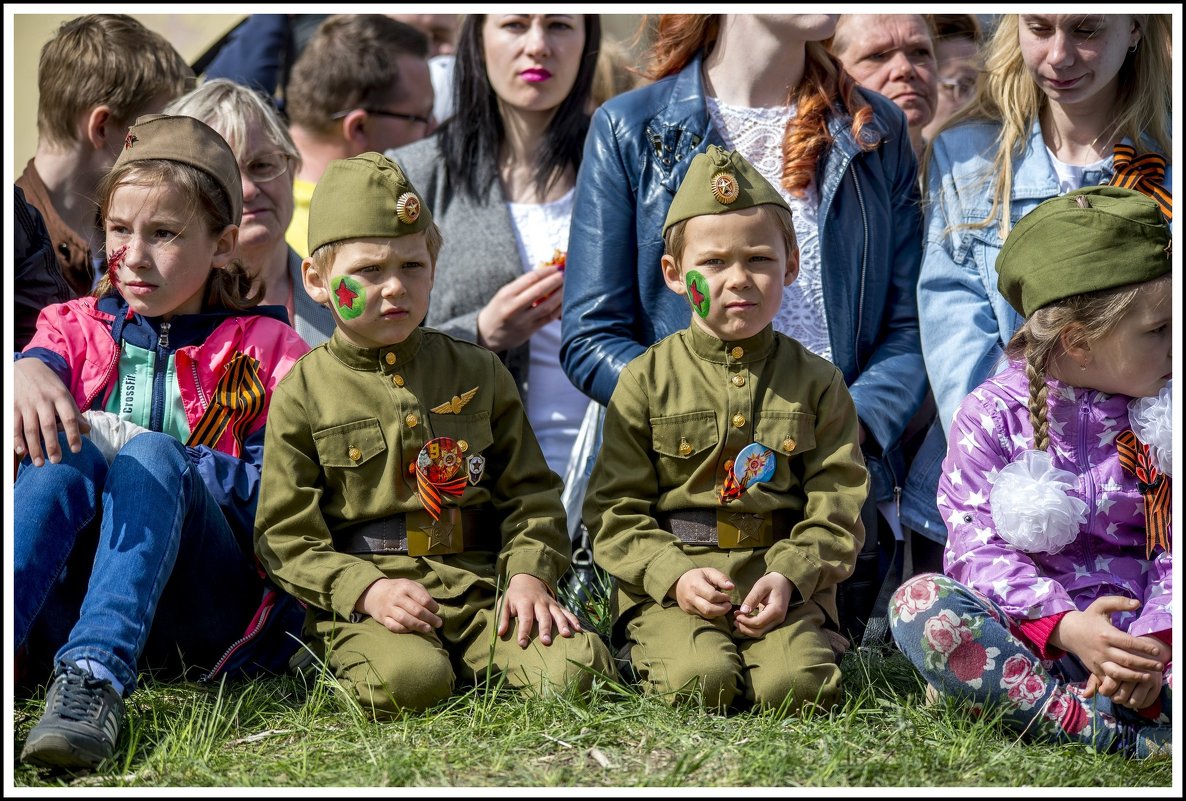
<point>964,320</point>
<point>639,147</point>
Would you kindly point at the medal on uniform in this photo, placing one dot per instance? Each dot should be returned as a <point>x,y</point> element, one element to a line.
<point>476,465</point>
<point>697,292</point>
<point>437,471</point>
<point>754,464</point>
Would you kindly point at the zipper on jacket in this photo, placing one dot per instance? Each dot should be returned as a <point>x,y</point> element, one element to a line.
<point>265,611</point>
<point>156,420</point>
<point>202,400</point>
<point>102,385</point>
<point>1084,467</point>
<point>856,341</point>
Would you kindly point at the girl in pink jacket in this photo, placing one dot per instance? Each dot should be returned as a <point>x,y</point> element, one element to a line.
<point>1056,607</point>
<point>133,526</point>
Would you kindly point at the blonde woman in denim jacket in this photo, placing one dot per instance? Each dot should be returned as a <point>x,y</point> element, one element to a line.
<point>1058,92</point>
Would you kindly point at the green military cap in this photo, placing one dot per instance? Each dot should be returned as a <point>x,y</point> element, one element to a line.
<point>189,141</point>
<point>367,195</point>
<point>1094,238</point>
<point>719,181</point>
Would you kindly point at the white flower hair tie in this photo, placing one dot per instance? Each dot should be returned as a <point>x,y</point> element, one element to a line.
<point>1032,505</point>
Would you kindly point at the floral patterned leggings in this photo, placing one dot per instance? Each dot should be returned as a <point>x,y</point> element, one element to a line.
<point>961,642</point>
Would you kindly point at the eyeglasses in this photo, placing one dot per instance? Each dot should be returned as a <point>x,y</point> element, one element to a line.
<point>958,88</point>
<point>379,112</point>
<point>266,167</point>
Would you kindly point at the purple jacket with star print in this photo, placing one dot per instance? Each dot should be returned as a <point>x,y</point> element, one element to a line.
<point>990,430</point>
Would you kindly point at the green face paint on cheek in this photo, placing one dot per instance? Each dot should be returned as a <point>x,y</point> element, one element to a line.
<point>348,296</point>
<point>697,292</point>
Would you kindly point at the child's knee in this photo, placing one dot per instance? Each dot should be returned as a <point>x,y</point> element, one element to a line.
<point>917,595</point>
<point>156,448</point>
<point>388,686</point>
<point>795,689</point>
<point>717,677</point>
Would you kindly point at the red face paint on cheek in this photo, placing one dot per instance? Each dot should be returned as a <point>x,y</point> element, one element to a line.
<point>113,262</point>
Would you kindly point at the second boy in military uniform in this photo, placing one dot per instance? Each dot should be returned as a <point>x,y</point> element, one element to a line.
<point>726,497</point>
<point>402,485</point>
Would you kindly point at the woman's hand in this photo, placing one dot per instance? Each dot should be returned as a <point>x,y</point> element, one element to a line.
<point>521,308</point>
<point>527,599</point>
<point>40,401</point>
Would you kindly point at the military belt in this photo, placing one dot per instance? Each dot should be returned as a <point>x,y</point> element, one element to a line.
<point>727,528</point>
<point>415,534</point>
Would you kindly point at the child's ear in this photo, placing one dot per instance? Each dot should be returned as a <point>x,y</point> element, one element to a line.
<point>792,267</point>
<point>224,246</point>
<point>354,129</point>
<point>1075,345</point>
<point>97,126</point>
<point>315,284</point>
<point>672,276</point>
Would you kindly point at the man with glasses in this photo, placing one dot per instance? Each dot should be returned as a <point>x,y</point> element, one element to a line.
<point>957,50</point>
<point>362,83</point>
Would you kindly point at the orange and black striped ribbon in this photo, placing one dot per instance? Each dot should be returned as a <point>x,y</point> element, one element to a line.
<point>1144,173</point>
<point>238,400</point>
<point>730,486</point>
<point>1154,486</point>
<point>430,494</point>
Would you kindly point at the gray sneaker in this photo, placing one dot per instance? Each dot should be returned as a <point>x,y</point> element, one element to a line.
<point>80,723</point>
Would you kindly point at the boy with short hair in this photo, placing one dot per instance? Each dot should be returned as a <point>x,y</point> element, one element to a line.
<point>95,77</point>
<point>727,494</point>
<point>404,496</point>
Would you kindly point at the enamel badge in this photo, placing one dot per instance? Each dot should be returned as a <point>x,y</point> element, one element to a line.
<point>437,471</point>
<point>476,465</point>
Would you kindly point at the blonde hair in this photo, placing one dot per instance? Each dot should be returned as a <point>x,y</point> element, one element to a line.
<point>1008,95</point>
<point>104,59</point>
<point>322,259</point>
<point>675,238</point>
<point>228,287</point>
<point>1078,320</point>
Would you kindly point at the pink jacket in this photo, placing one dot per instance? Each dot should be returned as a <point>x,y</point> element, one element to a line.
<point>81,334</point>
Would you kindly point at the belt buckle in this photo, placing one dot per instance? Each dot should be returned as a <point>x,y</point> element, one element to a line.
<point>744,529</point>
<point>428,537</point>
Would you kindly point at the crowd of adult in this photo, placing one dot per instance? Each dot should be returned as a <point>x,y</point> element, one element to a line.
<point>906,145</point>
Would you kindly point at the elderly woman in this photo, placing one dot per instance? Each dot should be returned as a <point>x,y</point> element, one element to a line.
<point>268,160</point>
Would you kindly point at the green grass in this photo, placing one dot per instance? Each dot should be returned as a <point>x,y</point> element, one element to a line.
<point>301,730</point>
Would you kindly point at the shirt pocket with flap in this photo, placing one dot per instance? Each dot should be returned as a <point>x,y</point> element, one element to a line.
<point>351,454</point>
<point>788,434</point>
<point>682,442</point>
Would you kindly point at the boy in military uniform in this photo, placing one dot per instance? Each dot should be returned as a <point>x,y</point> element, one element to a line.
<point>726,497</point>
<point>404,496</point>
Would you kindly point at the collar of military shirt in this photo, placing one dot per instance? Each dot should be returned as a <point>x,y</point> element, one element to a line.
<point>741,351</point>
<point>388,359</point>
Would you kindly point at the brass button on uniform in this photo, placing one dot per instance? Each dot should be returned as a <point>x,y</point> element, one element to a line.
<point>788,444</point>
<point>411,420</point>
<point>737,352</point>
<point>684,447</point>
<point>354,453</point>
<point>462,445</point>
<point>738,380</point>
<point>390,357</point>
<point>738,420</point>
<point>398,380</point>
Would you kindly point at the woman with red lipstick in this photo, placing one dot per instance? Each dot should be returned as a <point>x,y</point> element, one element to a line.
<point>1059,92</point>
<point>499,177</point>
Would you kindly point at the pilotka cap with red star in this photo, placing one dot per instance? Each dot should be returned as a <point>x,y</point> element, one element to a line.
<point>189,141</point>
<point>720,181</point>
<point>366,195</point>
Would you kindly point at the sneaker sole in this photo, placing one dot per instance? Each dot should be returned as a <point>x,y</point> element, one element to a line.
<point>54,750</point>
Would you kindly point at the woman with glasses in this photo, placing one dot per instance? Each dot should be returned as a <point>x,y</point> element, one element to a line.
<point>499,177</point>
<point>268,161</point>
<point>957,53</point>
<point>1059,92</point>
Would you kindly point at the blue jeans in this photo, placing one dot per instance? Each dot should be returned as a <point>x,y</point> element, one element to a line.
<point>164,575</point>
<point>960,640</point>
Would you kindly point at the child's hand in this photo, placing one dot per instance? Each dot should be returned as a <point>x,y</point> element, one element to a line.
<point>703,591</point>
<point>527,598</point>
<point>765,606</point>
<point>1105,650</point>
<point>520,308</point>
<point>402,605</point>
<point>1133,694</point>
<point>40,401</point>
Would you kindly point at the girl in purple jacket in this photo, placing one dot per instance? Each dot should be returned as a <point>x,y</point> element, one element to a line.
<point>1055,609</point>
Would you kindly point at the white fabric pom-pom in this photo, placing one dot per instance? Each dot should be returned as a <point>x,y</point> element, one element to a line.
<point>1032,506</point>
<point>1152,421</point>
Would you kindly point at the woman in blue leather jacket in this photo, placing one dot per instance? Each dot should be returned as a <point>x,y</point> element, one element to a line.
<point>842,156</point>
<point>1059,92</point>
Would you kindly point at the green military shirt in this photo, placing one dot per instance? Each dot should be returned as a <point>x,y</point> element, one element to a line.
<point>344,428</point>
<point>684,407</point>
